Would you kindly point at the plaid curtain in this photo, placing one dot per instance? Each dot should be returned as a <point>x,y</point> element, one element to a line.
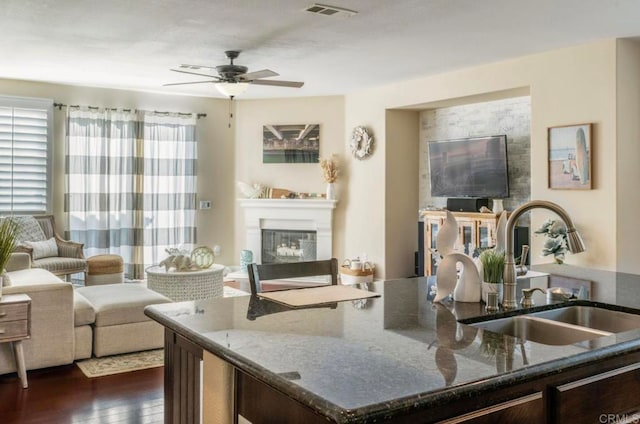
<point>131,182</point>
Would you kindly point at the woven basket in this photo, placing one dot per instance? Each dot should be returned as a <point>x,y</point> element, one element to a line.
<point>190,285</point>
<point>356,276</point>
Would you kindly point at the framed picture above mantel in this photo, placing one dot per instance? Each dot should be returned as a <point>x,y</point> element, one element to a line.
<point>296,143</point>
<point>569,157</point>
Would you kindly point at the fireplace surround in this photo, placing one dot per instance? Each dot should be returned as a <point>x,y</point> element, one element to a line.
<point>303,219</point>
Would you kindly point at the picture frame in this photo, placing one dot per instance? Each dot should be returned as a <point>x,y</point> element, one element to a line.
<point>569,157</point>
<point>295,143</point>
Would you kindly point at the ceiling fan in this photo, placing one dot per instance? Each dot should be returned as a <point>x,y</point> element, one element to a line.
<point>233,79</point>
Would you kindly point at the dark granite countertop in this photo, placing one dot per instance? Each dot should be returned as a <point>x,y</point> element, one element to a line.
<point>363,361</point>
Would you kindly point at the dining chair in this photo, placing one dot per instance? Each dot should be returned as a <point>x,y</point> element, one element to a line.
<point>258,273</point>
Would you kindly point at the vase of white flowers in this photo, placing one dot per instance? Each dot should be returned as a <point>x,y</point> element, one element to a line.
<point>556,243</point>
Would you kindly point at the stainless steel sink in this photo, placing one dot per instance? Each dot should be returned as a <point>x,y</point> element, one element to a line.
<point>541,330</point>
<point>592,317</point>
<point>565,325</point>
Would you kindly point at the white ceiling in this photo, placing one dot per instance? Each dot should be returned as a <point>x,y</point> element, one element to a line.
<point>132,44</point>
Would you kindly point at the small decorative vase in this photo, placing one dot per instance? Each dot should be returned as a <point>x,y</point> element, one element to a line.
<point>246,257</point>
<point>492,288</point>
<point>497,206</point>
<point>331,191</point>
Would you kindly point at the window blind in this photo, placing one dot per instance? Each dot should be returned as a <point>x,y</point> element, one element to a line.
<point>25,146</point>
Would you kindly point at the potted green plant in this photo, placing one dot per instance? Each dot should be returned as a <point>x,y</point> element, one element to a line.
<point>7,244</point>
<point>492,262</point>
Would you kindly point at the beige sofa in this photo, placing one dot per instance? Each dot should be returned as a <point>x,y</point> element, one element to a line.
<point>68,324</point>
<point>60,319</point>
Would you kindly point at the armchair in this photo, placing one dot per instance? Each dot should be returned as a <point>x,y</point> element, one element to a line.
<point>67,259</point>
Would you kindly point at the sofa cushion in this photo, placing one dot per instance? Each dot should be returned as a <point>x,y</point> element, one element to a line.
<point>32,276</point>
<point>27,229</point>
<point>59,265</point>
<point>6,279</point>
<point>116,304</point>
<point>83,313</point>
<point>43,249</point>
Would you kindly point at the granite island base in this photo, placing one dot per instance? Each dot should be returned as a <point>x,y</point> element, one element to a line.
<point>398,359</point>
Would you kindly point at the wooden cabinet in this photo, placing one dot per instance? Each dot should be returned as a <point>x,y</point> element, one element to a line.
<point>524,410</point>
<point>474,230</point>
<point>598,397</point>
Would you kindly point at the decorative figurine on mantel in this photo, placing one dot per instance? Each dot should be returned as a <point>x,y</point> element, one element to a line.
<point>258,191</point>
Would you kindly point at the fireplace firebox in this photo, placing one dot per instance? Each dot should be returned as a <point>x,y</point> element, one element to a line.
<point>288,230</point>
<point>283,246</point>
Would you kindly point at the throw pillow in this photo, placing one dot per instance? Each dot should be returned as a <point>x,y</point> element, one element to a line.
<point>27,229</point>
<point>43,249</point>
<point>6,281</point>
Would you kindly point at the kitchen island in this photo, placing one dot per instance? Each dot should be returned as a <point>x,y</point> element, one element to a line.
<point>397,358</point>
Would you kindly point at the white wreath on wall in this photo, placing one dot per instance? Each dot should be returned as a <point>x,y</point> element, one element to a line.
<point>361,143</point>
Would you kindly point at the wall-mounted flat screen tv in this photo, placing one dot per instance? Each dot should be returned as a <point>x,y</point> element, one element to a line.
<point>469,167</point>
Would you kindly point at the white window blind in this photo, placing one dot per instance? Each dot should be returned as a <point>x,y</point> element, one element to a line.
<point>25,151</point>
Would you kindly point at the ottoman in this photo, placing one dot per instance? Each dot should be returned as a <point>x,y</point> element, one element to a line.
<point>104,269</point>
<point>120,324</point>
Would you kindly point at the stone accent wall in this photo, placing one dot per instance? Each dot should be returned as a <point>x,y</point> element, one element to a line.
<point>508,116</point>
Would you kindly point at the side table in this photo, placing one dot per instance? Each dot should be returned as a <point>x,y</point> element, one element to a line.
<point>15,326</point>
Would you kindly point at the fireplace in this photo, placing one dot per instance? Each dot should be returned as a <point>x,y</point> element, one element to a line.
<point>283,246</point>
<point>288,230</point>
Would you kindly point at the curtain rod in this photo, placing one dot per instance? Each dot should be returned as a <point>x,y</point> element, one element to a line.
<point>61,105</point>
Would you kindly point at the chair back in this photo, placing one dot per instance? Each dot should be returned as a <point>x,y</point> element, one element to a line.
<point>258,273</point>
<point>48,225</point>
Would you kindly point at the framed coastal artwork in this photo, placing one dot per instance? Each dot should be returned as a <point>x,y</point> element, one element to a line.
<point>297,143</point>
<point>570,157</point>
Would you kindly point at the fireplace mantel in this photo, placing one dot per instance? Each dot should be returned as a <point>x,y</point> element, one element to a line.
<point>289,214</point>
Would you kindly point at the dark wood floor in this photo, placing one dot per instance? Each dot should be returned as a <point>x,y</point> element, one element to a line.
<point>64,395</point>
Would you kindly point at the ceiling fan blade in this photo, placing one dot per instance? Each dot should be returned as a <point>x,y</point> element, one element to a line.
<point>263,73</point>
<point>194,67</point>
<point>295,84</point>
<point>192,82</point>
<point>195,73</point>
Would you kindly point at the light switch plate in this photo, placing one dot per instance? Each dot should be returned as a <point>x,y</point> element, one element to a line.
<point>205,204</point>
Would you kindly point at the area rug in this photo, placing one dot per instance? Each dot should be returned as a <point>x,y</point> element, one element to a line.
<point>116,364</point>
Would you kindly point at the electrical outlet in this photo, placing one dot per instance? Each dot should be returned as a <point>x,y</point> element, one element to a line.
<point>205,204</point>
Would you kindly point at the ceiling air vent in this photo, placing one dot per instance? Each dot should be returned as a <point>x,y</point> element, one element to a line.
<point>323,9</point>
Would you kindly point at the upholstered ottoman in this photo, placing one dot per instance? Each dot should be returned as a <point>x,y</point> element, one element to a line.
<point>120,324</point>
<point>104,269</point>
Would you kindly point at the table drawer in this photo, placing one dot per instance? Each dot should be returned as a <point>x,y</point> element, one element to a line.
<point>13,312</point>
<point>14,330</point>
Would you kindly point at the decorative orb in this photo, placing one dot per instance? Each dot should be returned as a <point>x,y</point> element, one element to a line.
<point>202,256</point>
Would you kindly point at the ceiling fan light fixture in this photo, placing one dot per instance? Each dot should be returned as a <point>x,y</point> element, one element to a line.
<point>232,89</point>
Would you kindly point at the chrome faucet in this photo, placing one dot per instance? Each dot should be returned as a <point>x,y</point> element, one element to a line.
<point>574,242</point>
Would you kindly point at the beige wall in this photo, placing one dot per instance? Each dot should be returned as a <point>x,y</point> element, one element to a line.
<point>402,180</point>
<point>628,153</point>
<point>215,147</point>
<point>378,197</point>
<point>567,86</point>
<point>249,118</point>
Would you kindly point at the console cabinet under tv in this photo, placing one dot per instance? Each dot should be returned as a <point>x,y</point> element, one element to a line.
<point>475,230</point>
